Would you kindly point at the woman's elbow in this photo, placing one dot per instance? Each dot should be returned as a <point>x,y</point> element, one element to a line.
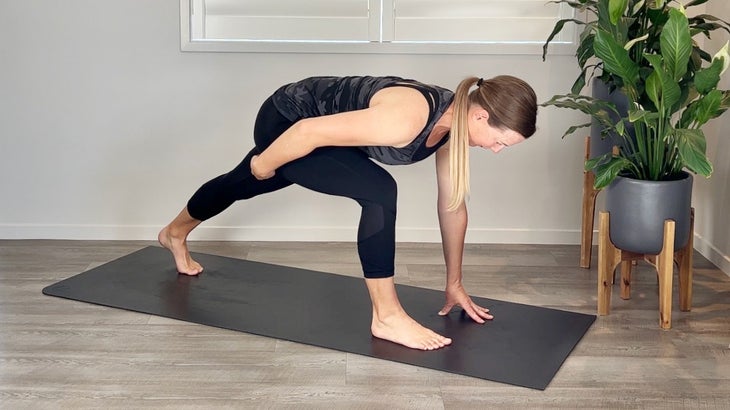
<point>303,132</point>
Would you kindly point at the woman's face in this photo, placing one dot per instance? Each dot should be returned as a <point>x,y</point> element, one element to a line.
<point>481,134</point>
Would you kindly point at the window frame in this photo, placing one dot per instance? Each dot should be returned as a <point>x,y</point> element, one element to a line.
<point>190,44</point>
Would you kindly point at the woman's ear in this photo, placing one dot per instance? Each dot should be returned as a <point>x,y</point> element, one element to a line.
<point>481,114</point>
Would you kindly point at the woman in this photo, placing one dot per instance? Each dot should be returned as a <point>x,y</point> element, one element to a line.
<point>321,133</point>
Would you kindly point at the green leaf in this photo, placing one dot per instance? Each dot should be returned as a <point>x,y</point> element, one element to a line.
<point>688,115</point>
<point>695,3</point>
<point>706,28</point>
<point>646,117</point>
<point>676,44</point>
<point>594,162</point>
<point>575,128</point>
<point>585,50</point>
<point>619,29</point>
<point>725,100</point>
<point>620,128</point>
<point>654,88</point>
<point>607,172</point>
<point>708,107</point>
<point>636,115</point>
<point>579,83</point>
<point>670,92</point>
<point>557,29</point>
<point>616,9</point>
<point>707,79</point>
<point>615,58</point>
<point>704,55</point>
<point>603,14</point>
<point>702,17</point>
<point>585,108</point>
<point>657,17</point>
<point>596,108</point>
<point>692,146</point>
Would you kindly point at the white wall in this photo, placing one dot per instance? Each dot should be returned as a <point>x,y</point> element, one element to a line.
<point>712,196</point>
<point>106,128</point>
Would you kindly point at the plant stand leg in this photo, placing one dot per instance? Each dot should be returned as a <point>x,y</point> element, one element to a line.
<point>588,213</point>
<point>684,262</point>
<point>608,258</point>
<point>665,268</point>
<point>626,266</point>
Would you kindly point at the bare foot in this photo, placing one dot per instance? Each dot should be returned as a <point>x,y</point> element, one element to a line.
<point>402,329</point>
<point>179,248</point>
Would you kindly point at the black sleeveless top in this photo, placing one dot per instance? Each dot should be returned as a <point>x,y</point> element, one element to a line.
<point>318,96</point>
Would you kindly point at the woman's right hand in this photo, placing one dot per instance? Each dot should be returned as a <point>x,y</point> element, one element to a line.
<point>258,171</point>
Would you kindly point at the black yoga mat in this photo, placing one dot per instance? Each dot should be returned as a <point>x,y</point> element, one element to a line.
<point>525,345</point>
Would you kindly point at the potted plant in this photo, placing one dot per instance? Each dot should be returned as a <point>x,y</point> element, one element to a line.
<point>646,50</point>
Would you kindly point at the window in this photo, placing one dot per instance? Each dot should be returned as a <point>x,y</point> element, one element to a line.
<point>372,26</point>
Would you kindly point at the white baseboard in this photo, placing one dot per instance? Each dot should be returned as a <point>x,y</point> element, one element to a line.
<point>317,233</point>
<point>713,254</point>
<point>267,233</point>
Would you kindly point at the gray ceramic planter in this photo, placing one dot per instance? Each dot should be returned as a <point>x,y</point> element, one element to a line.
<point>638,209</point>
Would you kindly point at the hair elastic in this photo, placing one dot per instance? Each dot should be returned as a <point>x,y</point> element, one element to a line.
<point>480,82</point>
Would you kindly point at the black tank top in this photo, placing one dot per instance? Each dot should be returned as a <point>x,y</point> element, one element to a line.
<point>318,96</point>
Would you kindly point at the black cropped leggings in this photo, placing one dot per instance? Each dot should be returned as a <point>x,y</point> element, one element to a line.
<point>340,171</point>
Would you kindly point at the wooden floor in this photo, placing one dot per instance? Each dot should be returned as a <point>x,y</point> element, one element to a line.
<point>56,353</point>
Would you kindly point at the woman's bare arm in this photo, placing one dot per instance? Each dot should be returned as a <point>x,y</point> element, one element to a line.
<point>453,232</point>
<point>452,223</point>
<point>396,115</point>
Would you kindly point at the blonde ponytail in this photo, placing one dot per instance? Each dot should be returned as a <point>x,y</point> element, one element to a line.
<point>459,145</point>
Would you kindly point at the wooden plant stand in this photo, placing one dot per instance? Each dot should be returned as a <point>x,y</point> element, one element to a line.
<point>588,212</point>
<point>609,257</point>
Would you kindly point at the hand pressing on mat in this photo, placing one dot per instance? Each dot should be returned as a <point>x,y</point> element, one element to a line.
<point>456,295</point>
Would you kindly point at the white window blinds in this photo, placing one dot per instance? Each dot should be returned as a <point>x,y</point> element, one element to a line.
<point>368,25</point>
<point>282,20</point>
<point>473,20</point>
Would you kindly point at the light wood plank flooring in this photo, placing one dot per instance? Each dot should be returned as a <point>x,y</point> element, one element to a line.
<point>57,353</point>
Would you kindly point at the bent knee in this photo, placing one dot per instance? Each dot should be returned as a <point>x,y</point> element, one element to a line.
<point>386,196</point>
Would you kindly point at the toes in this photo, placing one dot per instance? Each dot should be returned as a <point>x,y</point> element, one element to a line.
<point>435,342</point>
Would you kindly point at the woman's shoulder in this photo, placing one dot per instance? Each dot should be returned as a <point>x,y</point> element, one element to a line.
<point>403,96</point>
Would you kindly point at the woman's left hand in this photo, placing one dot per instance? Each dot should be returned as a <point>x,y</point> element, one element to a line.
<point>456,295</point>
